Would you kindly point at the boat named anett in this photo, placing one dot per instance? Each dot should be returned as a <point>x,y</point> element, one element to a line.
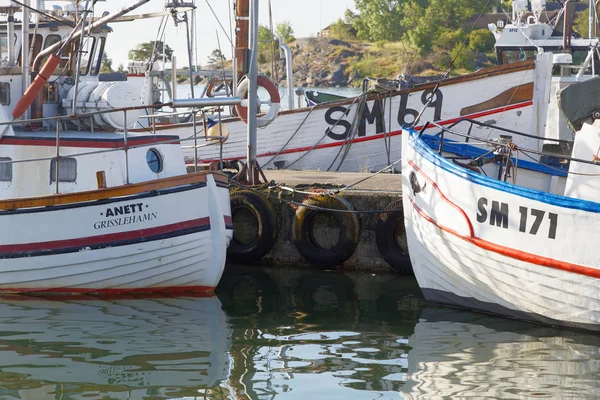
<point>97,211</point>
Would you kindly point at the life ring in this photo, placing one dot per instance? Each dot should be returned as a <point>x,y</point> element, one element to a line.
<point>255,227</point>
<point>390,236</point>
<point>305,238</point>
<point>242,110</point>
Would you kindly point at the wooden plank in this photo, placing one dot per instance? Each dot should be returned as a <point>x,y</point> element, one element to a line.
<point>511,96</point>
<point>118,191</point>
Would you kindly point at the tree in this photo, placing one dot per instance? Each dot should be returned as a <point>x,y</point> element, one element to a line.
<point>216,57</point>
<point>341,30</point>
<point>426,20</point>
<point>378,19</point>
<point>121,68</point>
<point>106,66</point>
<point>285,31</point>
<point>144,51</point>
<point>266,44</point>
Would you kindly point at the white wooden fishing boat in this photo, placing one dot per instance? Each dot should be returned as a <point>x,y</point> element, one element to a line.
<point>364,133</point>
<point>509,229</point>
<point>99,211</point>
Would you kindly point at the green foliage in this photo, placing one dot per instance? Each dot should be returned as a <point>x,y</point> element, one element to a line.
<point>267,44</point>
<point>106,66</point>
<point>378,19</point>
<point>121,68</point>
<point>425,21</point>
<point>341,30</point>
<point>582,23</point>
<point>482,41</point>
<point>465,59</point>
<point>285,31</point>
<point>143,52</point>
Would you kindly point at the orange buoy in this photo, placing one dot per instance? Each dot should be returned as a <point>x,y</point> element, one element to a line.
<point>38,83</point>
<point>266,83</point>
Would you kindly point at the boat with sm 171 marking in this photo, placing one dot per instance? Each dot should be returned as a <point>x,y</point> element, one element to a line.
<point>510,229</point>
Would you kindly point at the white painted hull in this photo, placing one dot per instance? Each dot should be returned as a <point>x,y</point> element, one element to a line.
<point>312,139</point>
<point>494,263</point>
<point>151,244</point>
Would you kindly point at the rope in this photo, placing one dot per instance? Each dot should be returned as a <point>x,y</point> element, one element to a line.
<point>325,135</point>
<point>311,207</point>
<point>449,67</point>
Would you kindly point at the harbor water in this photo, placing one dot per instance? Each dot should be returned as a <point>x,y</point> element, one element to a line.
<point>285,334</point>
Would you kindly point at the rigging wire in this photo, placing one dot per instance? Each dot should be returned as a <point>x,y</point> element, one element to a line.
<point>219,22</point>
<point>449,67</point>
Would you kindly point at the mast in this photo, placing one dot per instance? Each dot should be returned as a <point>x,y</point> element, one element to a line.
<point>25,47</point>
<point>242,16</point>
<point>252,103</point>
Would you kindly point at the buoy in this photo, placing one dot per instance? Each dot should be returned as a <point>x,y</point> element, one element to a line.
<point>266,83</point>
<point>391,238</point>
<point>254,227</point>
<point>38,83</point>
<point>307,230</point>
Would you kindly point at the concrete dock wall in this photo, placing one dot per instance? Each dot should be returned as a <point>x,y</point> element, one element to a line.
<point>374,194</point>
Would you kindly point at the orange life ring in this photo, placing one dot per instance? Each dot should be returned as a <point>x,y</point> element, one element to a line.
<point>274,100</point>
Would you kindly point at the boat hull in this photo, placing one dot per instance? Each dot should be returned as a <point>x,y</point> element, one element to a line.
<point>332,137</point>
<point>168,240</point>
<point>492,246</point>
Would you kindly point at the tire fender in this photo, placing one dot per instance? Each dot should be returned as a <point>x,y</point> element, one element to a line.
<point>305,241</point>
<point>265,220</point>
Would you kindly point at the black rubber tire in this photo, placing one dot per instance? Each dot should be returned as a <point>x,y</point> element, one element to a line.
<point>266,227</point>
<point>390,226</point>
<point>304,239</point>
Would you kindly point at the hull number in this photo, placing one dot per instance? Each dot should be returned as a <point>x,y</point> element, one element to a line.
<point>531,220</point>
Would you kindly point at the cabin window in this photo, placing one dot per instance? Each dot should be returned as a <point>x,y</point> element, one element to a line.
<point>97,64</point>
<point>87,55</point>
<point>50,41</point>
<point>37,47</point>
<point>4,93</point>
<point>67,169</point>
<point>154,160</point>
<point>5,169</point>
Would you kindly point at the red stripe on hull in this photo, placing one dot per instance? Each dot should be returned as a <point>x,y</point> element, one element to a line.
<point>107,238</point>
<point>378,136</point>
<point>504,250</point>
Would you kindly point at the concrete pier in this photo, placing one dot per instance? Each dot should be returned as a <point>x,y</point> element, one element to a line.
<point>375,192</point>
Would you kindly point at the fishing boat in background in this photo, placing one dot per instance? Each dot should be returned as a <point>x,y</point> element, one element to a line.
<point>314,97</point>
<point>87,205</point>
<point>364,133</point>
<point>506,228</point>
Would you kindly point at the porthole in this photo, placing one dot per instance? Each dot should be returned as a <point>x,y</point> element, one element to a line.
<point>154,160</point>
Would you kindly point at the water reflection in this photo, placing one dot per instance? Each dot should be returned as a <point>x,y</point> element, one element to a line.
<point>286,334</point>
<point>122,349</point>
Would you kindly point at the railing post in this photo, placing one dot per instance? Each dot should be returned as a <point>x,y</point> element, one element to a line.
<point>57,155</point>
<point>195,141</point>
<point>154,125</point>
<point>125,143</point>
